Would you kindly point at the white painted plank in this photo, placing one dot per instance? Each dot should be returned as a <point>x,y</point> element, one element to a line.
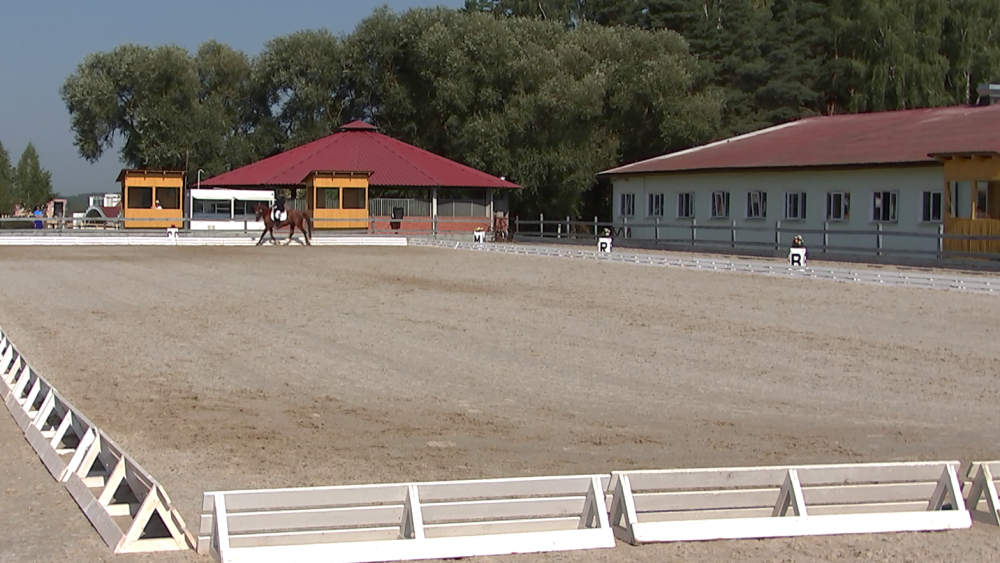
<point>430,548</point>
<point>801,526</point>
<point>314,537</point>
<point>765,477</point>
<point>502,509</point>
<point>94,511</point>
<point>315,497</point>
<point>476,529</point>
<point>309,519</point>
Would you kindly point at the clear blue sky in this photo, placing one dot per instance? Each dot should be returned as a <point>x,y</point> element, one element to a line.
<point>42,42</point>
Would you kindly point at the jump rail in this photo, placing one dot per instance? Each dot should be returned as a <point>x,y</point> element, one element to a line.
<point>765,502</point>
<point>406,521</point>
<point>81,456</point>
<point>984,491</point>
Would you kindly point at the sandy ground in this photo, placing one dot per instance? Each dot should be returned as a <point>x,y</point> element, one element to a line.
<point>223,368</point>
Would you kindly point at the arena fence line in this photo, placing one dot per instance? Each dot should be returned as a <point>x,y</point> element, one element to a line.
<point>149,239</point>
<point>447,519</point>
<point>786,501</point>
<point>941,281</point>
<point>984,492</point>
<point>81,456</point>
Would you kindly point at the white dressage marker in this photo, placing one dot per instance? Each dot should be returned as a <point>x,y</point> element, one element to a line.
<point>764,502</point>
<point>984,492</point>
<point>400,522</point>
<point>797,257</point>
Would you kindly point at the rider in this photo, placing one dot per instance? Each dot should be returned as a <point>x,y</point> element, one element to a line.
<point>279,207</point>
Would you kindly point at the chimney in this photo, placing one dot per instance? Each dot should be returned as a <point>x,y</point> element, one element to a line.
<point>989,94</point>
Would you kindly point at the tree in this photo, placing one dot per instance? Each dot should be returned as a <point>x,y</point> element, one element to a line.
<point>6,183</point>
<point>32,183</point>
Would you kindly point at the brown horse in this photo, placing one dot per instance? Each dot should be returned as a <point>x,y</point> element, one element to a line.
<point>295,218</point>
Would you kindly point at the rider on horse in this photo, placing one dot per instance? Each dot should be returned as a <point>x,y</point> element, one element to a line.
<point>279,209</point>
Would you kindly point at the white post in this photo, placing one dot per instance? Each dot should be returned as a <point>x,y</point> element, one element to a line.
<point>434,211</point>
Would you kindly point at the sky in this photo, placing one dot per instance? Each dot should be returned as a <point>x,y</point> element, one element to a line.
<point>43,41</point>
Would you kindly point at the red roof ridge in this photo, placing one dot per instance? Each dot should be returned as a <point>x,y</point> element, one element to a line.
<point>749,135</point>
<point>358,125</point>
<point>902,137</point>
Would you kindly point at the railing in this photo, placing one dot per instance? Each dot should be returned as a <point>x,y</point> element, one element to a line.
<point>717,236</point>
<point>415,225</point>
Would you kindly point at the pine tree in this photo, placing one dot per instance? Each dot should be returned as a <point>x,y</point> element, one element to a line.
<point>32,183</point>
<point>6,183</point>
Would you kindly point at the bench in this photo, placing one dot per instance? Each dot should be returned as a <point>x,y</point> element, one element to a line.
<point>982,500</point>
<point>406,521</point>
<point>764,502</point>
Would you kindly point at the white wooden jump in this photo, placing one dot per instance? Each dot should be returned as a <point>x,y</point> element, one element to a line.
<point>108,484</point>
<point>764,502</point>
<point>80,455</point>
<point>982,500</point>
<point>406,521</point>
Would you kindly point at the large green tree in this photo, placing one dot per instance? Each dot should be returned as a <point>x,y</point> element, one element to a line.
<point>32,183</point>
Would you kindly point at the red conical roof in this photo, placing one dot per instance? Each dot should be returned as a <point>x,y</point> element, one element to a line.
<point>359,147</point>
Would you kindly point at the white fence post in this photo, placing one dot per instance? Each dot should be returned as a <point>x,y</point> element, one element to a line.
<point>541,225</point>
<point>878,239</point>
<point>732,235</point>
<point>694,232</point>
<point>940,240</point>
<point>777,235</point>
<point>826,235</point>
<point>656,230</point>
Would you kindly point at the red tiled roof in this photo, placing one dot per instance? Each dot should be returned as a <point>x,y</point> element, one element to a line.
<point>359,147</point>
<point>892,137</point>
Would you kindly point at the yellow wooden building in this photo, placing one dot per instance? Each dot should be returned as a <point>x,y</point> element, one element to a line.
<point>972,200</point>
<point>338,195</point>
<point>152,199</point>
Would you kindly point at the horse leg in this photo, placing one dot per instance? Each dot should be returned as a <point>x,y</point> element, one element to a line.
<point>271,230</point>
<point>291,233</point>
<point>262,233</point>
<point>305,233</point>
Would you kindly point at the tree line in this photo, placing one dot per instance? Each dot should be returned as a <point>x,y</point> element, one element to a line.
<point>544,92</point>
<point>27,184</point>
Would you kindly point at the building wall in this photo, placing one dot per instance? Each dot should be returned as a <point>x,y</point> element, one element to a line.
<point>908,183</point>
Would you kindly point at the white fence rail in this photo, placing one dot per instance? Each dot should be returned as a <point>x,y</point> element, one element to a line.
<point>445,519</point>
<point>81,456</point>
<point>982,500</point>
<point>765,502</point>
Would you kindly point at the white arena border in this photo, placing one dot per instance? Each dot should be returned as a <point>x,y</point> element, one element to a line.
<point>977,284</point>
<point>151,239</point>
<point>87,462</point>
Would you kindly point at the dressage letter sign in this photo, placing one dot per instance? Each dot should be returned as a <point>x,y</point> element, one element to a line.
<point>604,244</point>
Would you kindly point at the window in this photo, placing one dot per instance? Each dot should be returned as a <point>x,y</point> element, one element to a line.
<point>838,206</point>
<point>795,205</point>
<point>354,198</point>
<point>685,206</point>
<point>720,205</point>
<point>933,205</point>
<point>884,206</point>
<point>327,198</point>
<point>140,198</point>
<point>756,205</point>
<point>654,205</point>
<point>627,205</point>
<point>169,198</point>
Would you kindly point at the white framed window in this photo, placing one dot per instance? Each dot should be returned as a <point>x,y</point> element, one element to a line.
<point>795,205</point>
<point>720,205</point>
<point>884,207</point>
<point>654,205</point>
<point>838,206</point>
<point>756,205</point>
<point>933,208</point>
<point>627,205</point>
<point>685,206</point>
